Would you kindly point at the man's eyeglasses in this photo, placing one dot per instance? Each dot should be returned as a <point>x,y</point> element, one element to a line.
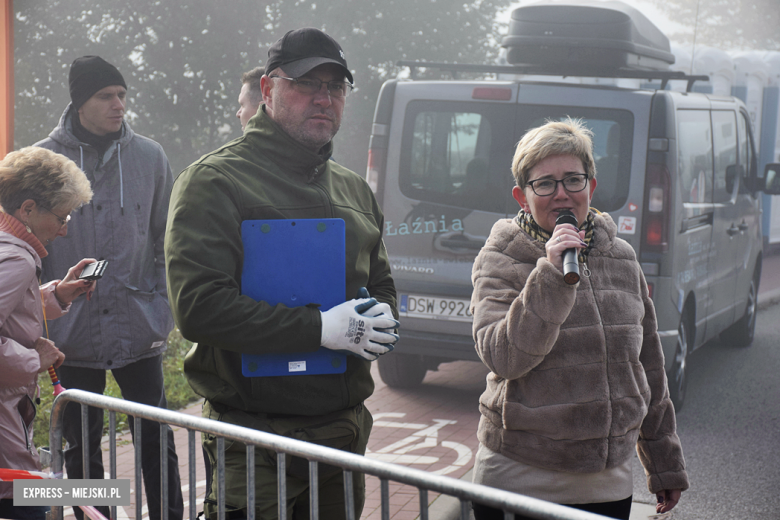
<point>572,184</point>
<point>310,86</point>
<point>63,220</point>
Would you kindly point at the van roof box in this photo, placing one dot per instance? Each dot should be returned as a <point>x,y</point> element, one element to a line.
<point>577,36</point>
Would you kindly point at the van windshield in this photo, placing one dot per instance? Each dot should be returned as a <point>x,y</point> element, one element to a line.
<point>460,154</point>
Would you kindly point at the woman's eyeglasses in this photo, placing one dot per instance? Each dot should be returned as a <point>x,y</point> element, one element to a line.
<point>572,184</point>
<point>63,220</point>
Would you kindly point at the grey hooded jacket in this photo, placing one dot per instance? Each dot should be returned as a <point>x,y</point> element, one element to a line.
<point>128,318</point>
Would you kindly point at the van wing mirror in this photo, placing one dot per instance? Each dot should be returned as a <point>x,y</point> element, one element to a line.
<point>772,179</point>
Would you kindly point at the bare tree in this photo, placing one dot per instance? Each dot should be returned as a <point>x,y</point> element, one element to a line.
<point>746,24</point>
<point>183,60</point>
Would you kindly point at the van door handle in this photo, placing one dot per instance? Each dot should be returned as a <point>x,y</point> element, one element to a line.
<point>459,242</point>
<point>733,230</point>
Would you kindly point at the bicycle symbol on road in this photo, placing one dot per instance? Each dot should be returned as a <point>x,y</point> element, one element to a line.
<point>426,436</point>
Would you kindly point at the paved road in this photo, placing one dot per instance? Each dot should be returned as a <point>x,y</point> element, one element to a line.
<point>730,429</point>
<point>432,427</point>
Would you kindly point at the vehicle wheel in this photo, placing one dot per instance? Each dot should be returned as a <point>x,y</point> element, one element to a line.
<point>742,332</point>
<point>402,370</point>
<point>678,375</point>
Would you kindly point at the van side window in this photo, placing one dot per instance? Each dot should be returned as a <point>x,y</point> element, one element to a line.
<point>457,156</point>
<point>724,140</point>
<point>745,155</point>
<point>694,157</point>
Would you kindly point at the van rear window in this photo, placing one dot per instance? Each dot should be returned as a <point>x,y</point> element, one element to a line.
<point>460,153</point>
<point>613,134</point>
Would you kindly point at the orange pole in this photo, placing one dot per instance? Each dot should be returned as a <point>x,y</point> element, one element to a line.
<point>6,77</point>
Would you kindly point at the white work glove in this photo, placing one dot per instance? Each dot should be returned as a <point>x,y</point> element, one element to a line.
<point>361,327</point>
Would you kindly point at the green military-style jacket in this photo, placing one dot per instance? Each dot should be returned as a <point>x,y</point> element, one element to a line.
<point>265,174</point>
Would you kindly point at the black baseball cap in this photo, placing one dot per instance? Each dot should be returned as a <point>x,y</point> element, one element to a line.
<point>301,50</point>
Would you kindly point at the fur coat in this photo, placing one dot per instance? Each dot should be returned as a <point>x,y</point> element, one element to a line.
<point>577,371</point>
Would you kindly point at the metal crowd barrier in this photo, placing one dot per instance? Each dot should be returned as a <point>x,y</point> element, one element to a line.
<point>510,503</point>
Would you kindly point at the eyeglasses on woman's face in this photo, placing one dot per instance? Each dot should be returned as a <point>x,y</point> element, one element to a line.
<point>63,220</point>
<point>571,183</point>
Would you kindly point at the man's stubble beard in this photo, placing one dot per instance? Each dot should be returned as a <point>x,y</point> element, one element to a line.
<point>311,139</point>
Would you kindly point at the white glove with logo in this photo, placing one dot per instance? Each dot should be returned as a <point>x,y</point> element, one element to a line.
<point>360,327</point>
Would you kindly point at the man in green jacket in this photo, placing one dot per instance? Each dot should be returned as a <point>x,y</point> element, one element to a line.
<point>280,169</point>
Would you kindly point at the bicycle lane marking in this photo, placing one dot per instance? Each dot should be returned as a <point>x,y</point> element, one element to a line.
<point>426,437</point>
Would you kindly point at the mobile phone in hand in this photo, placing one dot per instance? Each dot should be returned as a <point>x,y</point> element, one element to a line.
<point>94,271</point>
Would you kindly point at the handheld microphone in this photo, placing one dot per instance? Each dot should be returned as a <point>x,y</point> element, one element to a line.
<point>571,268</point>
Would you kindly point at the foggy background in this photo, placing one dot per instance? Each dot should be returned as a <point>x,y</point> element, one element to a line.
<point>182,61</point>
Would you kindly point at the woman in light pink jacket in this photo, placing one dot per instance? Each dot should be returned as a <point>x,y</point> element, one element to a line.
<point>38,191</point>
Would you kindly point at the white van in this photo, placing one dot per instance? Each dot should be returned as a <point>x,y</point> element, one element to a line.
<point>677,172</point>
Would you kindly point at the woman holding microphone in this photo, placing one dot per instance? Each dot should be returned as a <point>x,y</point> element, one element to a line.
<point>577,379</point>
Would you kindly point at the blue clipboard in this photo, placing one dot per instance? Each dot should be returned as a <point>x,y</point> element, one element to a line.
<point>294,262</point>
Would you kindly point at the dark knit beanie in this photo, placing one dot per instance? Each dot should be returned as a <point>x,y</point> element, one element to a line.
<point>89,74</point>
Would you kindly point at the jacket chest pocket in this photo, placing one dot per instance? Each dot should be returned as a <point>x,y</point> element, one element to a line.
<point>139,200</point>
<point>141,215</point>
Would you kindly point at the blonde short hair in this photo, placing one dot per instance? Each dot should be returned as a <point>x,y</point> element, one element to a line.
<point>568,137</point>
<point>50,179</point>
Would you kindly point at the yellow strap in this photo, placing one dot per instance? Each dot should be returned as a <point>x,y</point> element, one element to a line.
<point>43,308</point>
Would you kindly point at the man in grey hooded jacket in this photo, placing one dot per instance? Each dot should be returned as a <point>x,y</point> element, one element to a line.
<point>125,327</point>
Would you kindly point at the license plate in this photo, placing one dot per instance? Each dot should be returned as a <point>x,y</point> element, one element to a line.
<point>435,308</point>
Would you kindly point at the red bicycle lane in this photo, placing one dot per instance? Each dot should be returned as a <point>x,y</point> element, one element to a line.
<point>432,427</point>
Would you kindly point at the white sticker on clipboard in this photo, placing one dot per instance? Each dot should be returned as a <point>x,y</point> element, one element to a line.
<point>296,366</point>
